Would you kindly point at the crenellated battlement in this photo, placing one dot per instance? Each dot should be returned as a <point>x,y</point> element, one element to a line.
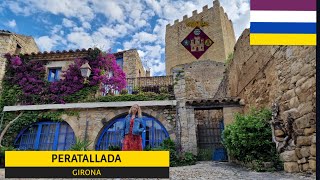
<point>195,12</point>
<point>185,17</point>
<point>205,9</point>
<point>213,22</point>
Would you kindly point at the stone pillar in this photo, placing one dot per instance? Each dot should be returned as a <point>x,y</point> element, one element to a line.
<point>186,128</point>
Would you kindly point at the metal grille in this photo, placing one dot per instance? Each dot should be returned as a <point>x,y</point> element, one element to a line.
<point>154,84</point>
<point>209,128</point>
<point>209,136</point>
<point>153,137</point>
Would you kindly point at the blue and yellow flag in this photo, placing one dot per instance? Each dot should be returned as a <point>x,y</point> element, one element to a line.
<point>283,22</point>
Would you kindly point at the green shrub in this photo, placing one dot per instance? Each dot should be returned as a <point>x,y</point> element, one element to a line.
<point>175,159</point>
<point>188,159</point>
<point>114,148</point>
<point>146,96</point>
<point>147,148</point>
<point>80,145</point>
<point>205,154</point>
<point>164,90</point>
<point>249,138</point>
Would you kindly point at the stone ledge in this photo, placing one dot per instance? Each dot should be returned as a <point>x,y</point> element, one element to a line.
<point>90,105</point>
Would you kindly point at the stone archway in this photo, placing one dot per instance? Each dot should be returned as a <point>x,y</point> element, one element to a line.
<point>46,135</point>
<point>110,135</point>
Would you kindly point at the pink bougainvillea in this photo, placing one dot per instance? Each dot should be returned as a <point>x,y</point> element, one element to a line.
<point>30,77</point>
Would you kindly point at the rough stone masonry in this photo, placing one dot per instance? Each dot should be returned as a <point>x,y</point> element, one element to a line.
<point>286,75</point>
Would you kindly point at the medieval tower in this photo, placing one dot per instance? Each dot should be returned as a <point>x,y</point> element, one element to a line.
<point>14,44</point>
<point>208,35</point>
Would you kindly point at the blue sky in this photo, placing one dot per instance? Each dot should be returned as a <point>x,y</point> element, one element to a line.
<point>109,24</point>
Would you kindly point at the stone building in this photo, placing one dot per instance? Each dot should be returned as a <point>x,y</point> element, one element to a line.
<point>205,35</point>
<point>129,60</point>
<point>14,44</point>
<point>207,93</point>
<point>132,64</point>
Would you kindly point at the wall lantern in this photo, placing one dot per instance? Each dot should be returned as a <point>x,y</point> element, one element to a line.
<point>85,70</point>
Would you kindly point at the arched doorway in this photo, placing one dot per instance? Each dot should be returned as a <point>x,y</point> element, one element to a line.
<point>46,135</point>
<point>111,134</point>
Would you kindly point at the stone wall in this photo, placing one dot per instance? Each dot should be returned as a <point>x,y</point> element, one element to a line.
<point>100,117</point>
<point>132,64</point>
<point>199,80</point>
<point>262,75</point>
<point>8,44</point>
<point>220,30</point>
<point>4,47</point>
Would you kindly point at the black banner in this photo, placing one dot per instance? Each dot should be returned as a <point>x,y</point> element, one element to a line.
<point>87,172</point>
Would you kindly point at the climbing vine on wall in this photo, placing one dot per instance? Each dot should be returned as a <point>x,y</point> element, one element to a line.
<point>25,83</point>
<point>27,78</point>
<point>27,119</point>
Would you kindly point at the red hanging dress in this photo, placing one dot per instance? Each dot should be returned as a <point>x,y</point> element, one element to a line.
<point>132,142</point>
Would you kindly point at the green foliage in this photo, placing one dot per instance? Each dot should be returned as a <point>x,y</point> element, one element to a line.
<point>80,145</point>
<point>249,138</point>
<point>10,96</point>
<point>114,148</point>
<point>83,95</point>
<point>51,115</point>
<point>204,154</point>
<point>229,59</point>
<point>136,90</point>
<point>123,92</point>
<point>188,159</point>
<point>147,148</point>
<point>146,96</point>
<point>164,90</point>
<point>176,159</point>
<point>27,119</point>
<point>3,149</point>
<point>24,121</point>
<point>179,75</point>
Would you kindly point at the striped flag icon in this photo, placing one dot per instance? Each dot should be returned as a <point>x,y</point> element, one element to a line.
<point>283,22</point>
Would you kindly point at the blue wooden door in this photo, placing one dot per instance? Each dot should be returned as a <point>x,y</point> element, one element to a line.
<point>220,153</point>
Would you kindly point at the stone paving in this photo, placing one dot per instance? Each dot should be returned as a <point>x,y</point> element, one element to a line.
<point>217,170</point>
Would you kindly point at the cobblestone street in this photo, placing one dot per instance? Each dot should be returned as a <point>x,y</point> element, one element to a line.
<point>217,170</point>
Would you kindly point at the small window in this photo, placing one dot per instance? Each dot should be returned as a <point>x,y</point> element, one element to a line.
<point>120,62</point>
<point>54,74</point>
<point>18,49</point>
